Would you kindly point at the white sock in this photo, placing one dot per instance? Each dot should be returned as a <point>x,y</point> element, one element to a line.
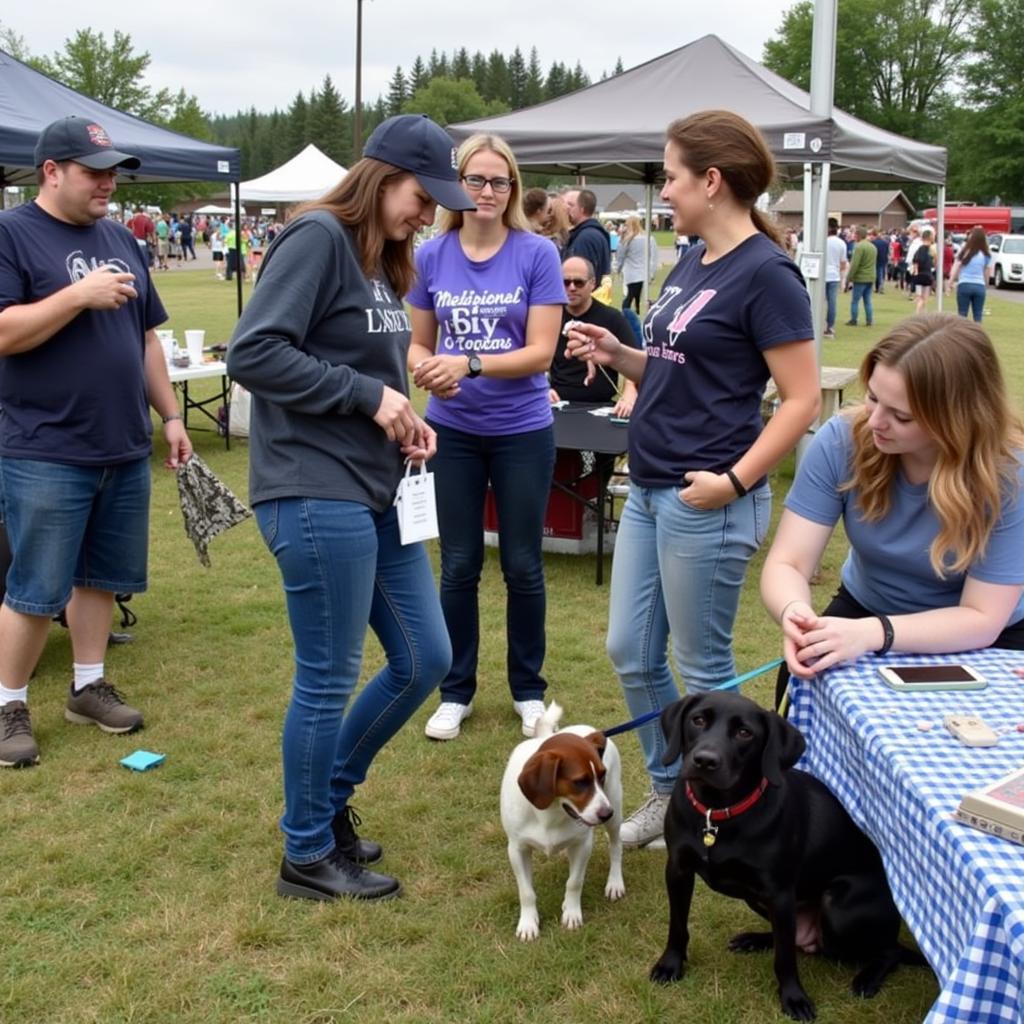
<point>86,674</point>
<point>6,696</point>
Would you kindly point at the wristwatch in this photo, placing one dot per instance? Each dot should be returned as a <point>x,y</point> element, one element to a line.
<point>476,367</point>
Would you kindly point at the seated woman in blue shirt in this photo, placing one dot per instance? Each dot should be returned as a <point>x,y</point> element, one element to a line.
<point>926,475</point>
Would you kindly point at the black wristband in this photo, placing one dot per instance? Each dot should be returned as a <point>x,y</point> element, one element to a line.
<point>735,480</point>
<point>887,633</point>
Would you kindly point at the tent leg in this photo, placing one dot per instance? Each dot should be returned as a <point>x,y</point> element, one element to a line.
<point>940,245</point>
<point>648,207</point>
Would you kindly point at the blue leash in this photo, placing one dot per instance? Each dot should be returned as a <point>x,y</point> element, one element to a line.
<point>729,684</point>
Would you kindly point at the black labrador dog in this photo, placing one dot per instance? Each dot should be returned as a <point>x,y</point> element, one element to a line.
<point>776,838</point>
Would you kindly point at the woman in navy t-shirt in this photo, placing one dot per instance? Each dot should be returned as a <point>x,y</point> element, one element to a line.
<point>733,311</point>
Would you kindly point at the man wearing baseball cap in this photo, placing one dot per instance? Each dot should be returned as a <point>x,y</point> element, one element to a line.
<point>80,364</point>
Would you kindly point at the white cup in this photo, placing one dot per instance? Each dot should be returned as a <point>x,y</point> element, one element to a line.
<point>167,344</point>
<point>194,344</point>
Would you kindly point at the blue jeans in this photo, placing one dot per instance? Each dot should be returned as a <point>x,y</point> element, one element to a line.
<point>519,468</point>
<point>970,297</point>
<point>862,290</point>
<point>677,571</point>
<point>344,568</point>
<point>831,291</point>
<point>73,526</point>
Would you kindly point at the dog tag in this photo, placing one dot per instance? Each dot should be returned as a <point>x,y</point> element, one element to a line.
<point>710,831</point>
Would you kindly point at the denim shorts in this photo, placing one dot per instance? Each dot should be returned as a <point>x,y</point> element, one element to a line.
<point>73,526</point>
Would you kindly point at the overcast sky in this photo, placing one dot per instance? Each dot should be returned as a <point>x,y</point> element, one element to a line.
<point>262,52</point>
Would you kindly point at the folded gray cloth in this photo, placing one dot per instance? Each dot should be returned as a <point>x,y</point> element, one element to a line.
<point>208,506</point>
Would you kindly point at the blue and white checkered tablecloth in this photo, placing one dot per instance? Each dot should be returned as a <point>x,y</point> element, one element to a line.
<point>961,891</point>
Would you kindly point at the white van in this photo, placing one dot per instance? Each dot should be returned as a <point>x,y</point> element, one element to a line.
<point>1007,266</point>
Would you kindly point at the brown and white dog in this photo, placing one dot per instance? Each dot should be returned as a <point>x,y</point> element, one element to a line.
<point>557,786</point>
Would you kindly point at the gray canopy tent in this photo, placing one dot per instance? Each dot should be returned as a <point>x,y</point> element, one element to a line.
<point>30,100</point>
<point>616,128</point>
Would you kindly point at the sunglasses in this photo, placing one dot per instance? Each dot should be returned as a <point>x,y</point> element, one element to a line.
<point>575,282</point>
<point>476,182</point>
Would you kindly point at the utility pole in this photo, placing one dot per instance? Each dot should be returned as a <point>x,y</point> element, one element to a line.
<point>357,121</point>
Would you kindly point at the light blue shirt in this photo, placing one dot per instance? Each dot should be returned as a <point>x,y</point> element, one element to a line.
<point>888,568</point>
<point>973,271</point>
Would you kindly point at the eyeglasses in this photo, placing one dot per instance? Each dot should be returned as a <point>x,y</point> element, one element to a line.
<point>476,182</point>
<point>575,282</point>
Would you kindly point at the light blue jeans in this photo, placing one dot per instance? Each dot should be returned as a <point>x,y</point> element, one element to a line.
<point>677,572</point>
<point>344,569</point>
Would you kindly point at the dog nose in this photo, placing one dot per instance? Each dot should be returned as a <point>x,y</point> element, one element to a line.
<point>605,813</point>
<point>706,760</point>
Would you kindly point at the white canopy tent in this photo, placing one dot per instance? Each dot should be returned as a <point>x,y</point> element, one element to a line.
<point>308,175</point>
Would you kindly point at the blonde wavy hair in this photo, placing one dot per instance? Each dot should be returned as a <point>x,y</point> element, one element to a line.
<point>633,227</point>
<point>956,393</point>
<point>513,218</point>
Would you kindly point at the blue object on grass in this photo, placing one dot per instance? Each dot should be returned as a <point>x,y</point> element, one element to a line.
<point>142,760</point>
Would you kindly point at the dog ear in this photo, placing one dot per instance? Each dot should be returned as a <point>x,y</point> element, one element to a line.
<point>783,745</point>
<point>537,779</point>
<point>672,726</point>
<point>599,741</point>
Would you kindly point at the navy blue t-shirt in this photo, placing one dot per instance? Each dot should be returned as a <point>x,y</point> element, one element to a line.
<point>700,398</point>
<point>80,397</point>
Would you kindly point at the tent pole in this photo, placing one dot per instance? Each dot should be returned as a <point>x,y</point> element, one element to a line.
<point>648,208</point>
<point>940,244</point>
<point>236,193</point>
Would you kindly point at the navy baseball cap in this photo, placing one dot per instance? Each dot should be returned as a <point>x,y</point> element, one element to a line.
<point>414,143</point>
<point>85,142</point>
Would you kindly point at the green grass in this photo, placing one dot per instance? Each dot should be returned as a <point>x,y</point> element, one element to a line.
<point>149,897</point>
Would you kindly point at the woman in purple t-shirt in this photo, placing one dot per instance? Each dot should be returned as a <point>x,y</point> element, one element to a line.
<point>731,312</point>
<point>486,312</point>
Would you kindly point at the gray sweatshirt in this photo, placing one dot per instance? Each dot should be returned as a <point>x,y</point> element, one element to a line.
<point>315,347</point>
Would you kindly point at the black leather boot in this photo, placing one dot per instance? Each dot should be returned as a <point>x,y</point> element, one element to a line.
<point>332,877</point>
<point>361,851</point>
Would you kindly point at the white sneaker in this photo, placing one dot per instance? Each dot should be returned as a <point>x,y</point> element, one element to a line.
<point>529,711</point>
<point>646,825</point>
<point>446,721</point>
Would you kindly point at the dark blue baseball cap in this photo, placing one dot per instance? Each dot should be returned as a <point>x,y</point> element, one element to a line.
<point>85,142</point>
<point>414,143</point>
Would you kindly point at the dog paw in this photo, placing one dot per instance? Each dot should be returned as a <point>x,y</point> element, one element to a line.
<point>668,969</point>
<point>572,919</point>
<point>750,942</point>
<point>615,889</point>
<point>528,928</point>
<point>797,1004</point>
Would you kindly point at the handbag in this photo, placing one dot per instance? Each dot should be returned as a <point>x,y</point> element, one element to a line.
<point>416,505</point>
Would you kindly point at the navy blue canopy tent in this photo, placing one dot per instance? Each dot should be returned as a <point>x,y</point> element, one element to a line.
<point>30,100</point>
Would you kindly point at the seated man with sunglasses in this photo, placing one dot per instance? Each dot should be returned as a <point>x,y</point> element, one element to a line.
<point>568,377</point>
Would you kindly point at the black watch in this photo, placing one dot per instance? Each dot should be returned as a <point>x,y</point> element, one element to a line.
<point>476,367</point>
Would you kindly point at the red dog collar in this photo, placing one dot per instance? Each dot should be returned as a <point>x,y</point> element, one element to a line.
<point>721,813</point>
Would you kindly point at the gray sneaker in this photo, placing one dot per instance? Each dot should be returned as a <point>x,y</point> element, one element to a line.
<point>645,826</point>
<point>100,704</point>
<point>17,747</point>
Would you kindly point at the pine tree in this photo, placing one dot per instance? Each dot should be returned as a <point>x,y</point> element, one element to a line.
<point>330,127</point>
<point>297,130</point>
<point>461,66</point>
<point>398,92</point>
<point>618,67</point>
<point>478,67</point>
<point>534,80</point>
<point>578,78</point>
<point>557,82</point>
<point>418,76</point>
<point>517,79</point>
<point>498,83</point>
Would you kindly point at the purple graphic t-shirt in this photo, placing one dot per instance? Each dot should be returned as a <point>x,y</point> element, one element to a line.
<point>482,307</point>
<point>700,398</point>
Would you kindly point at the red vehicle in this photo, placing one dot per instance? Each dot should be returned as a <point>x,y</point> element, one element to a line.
<point>964,216</point>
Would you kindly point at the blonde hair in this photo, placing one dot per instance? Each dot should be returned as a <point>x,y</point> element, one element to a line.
<point>722,139</point>
<point>355,201</point>
<point>956,393</point>
<point>513,217</point>
<point>632,229</point>
<point>557,228</point>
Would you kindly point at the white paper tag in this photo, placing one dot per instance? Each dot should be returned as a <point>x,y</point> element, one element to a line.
<point>416,505</point>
